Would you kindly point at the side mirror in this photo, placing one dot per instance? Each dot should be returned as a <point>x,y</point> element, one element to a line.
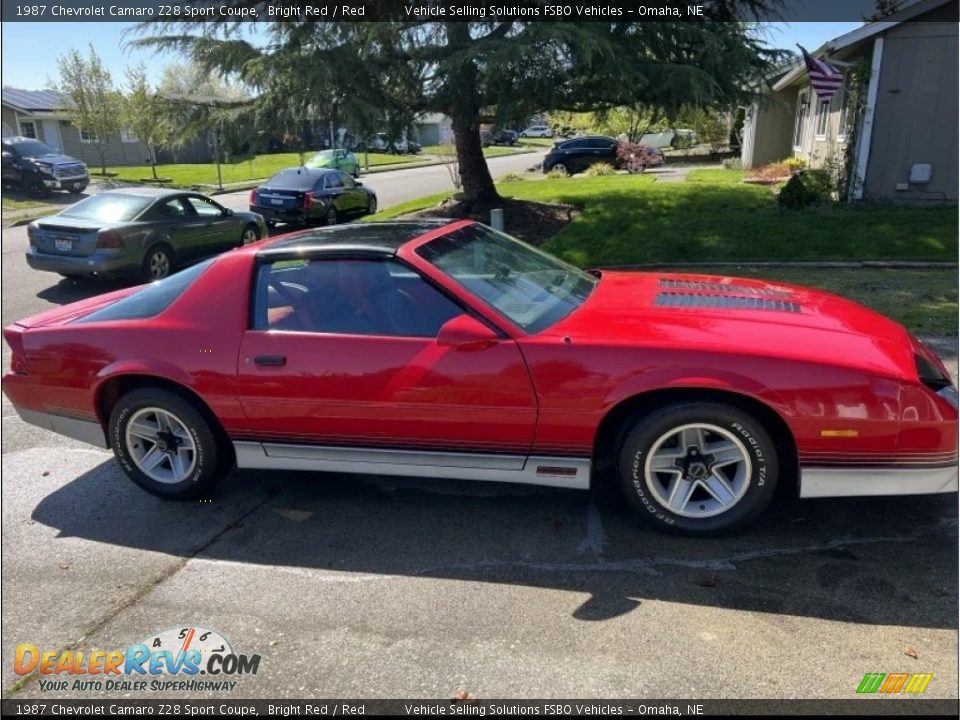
<point>466,333</point>
<point>358,183</point>
<point>227,212</point>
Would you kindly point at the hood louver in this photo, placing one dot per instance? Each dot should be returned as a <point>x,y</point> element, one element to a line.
<point>722,288</point>
<point>727,302</point>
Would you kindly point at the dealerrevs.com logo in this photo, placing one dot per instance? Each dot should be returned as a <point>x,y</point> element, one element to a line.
<point>188,658</point>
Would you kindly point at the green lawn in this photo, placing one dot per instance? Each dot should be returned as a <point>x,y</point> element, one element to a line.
<point>257,168</point>
<point>538,142</point>
<point>630,219</point>
<point>9,203</point>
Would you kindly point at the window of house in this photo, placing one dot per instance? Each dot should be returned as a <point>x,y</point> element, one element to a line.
<point>800,122</point>
<point>823,119</point>
<point>843,126</point>
<point>28,129</point>
<point>87,137</point>
<point>128,136</point>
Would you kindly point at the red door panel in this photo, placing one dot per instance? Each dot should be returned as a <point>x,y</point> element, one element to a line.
<point>386,391</point>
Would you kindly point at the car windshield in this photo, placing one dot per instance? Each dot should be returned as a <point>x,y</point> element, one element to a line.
<point>34,148</point>
<point>530,287</point>
<point>321,157</point>
<point>291,179</point>
<point>108,207</point>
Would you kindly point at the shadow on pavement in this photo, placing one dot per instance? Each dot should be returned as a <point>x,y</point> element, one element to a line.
<point>885,561</point>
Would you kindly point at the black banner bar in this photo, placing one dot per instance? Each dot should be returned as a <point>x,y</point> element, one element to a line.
<point>126,11</point>
<point>481,708</point>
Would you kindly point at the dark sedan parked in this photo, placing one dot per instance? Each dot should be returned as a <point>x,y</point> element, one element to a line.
<point>576,155</point>
<point>143,232</point>
<point>305,195</point>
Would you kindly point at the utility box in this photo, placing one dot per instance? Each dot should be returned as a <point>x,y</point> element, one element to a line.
<point>921,174</point>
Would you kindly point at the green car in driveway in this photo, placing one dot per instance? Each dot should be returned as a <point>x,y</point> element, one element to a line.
<point>141,232</point>
<point>339,159</point>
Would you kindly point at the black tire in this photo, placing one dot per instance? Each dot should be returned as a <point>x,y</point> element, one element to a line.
<point>250,234</point>
<point>641,490</point>
<point>36,189</point>
<point>210,462</point>
<point>157,263</point>
<point>75,190</point>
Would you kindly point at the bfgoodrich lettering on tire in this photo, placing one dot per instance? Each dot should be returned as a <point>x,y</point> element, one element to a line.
<point>698,468</point>
<point>164,444</point>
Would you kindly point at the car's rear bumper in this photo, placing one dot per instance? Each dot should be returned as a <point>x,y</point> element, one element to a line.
<point>295,215</point>
<point>88,431</point>
<point>95,264</point>
<point>817,482</point>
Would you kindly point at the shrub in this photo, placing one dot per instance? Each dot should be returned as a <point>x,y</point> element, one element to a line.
<point>806,188</point>
<point>557,174</point>
<point>794,163</point>
<point>511,178</point>
<point>636,157</point>
<point>600,169</point>
<point>732,164</point>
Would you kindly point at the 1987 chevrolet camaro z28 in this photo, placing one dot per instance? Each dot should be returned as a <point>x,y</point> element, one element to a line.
<point>447,349</point>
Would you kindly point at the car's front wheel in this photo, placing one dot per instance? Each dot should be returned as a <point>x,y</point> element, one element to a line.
<point>250,235</point>
<point>698,468</point>
<point>165,445</point>
<point>372,205</point>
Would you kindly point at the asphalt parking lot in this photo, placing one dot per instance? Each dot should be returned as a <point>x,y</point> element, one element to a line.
<point>356,586</point>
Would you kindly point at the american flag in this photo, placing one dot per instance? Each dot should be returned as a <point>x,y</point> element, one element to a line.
<point>824,77</point>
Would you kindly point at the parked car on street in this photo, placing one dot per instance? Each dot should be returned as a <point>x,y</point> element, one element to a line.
<point>669,138</point>
<point>37,168</point>
<point>447,349</point>
<point>339,159</point>
<point>141,232</point>
<point>537,131</point>
<point>577,154</point>
<point>305,195</point>
<point>381,142</point>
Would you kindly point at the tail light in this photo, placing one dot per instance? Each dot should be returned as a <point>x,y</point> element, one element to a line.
<point>32,234</point>
<point>253,197</point>
<point>18,359</point>
<point>110,240</point>
<point>307,200</point>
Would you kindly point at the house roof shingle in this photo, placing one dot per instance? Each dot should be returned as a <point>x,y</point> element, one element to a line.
<point>48,100</point>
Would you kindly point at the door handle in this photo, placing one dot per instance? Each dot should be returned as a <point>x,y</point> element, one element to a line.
<point>270,360</point>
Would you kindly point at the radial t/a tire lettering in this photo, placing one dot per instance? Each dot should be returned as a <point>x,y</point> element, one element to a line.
<point>698,468</point>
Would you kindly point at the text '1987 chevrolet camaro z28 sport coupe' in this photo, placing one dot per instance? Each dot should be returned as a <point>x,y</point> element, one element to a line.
<point>447,349</point>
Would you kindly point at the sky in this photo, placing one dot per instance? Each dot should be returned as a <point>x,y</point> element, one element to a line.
<point>23,67</point>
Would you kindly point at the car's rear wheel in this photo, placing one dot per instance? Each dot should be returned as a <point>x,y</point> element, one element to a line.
<point>698,468</point>
<point>165,445</point>
<point>251,233</point>
<point>158,263</point>
<point>331,217</point>
<point>560,169</point>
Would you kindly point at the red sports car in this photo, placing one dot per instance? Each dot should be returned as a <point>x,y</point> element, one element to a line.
<point>452,350</point>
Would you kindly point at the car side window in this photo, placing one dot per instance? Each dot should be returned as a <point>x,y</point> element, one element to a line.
<point>346,181</point>
<point>599,144</point>
<point>204,207</point>
<point>574,145</point>
<point>349,297</point>
<point>172,209</point>
<point>332,181</point>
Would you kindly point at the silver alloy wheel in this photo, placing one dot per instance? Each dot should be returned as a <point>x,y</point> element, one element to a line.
<point>698,470</point>
<point>332,216</point>
<point>249,235</point>
<point>159,265</point>
<point>160,445</point>
<point>561,168</point>
<point>372,207</point>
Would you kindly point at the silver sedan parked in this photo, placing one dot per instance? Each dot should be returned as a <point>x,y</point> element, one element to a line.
<point>141,232</point>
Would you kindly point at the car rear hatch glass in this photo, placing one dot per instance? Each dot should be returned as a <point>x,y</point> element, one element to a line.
<point>286,189</point>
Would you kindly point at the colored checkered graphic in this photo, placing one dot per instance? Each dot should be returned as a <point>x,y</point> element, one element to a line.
<point>891,683</point>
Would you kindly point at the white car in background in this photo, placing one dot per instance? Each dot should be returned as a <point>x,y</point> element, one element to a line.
<point>537,131</point>
<point>668,138</point>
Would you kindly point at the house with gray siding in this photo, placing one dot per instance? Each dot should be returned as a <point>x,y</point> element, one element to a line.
<point>904,139</point>
<point>45,115</point>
